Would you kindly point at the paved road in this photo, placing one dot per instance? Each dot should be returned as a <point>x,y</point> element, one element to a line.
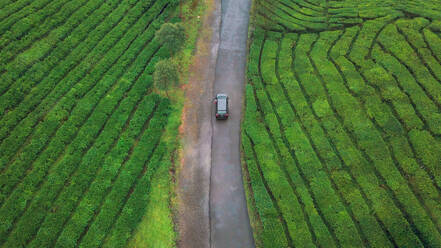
<point>212,206</point>
<point>229,221</point>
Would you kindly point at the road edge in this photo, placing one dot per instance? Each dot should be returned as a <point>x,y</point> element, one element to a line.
<point>255,221</point>
<point>205,50</point>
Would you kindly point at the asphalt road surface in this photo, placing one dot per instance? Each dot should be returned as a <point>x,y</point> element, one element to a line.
<point>229,221</point>
<point>212,206</point>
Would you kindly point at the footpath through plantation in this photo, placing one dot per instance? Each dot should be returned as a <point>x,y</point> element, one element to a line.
<point>342,131</point>
<point>82,133</point>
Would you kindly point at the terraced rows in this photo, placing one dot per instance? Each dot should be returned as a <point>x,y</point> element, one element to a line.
<point>341,138</point>
<point>81,131</point>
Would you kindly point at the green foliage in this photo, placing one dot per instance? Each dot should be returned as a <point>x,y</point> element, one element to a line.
<point>350,114</point>
<point>166,74</point>
<point>159,229</point>
<point>79,124</point>
<point>172,36</point>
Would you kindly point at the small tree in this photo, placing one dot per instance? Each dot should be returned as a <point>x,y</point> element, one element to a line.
<point>172,36</point>
<point>166,75</point>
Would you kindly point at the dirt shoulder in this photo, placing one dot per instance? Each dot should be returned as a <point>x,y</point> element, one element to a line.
<point>196,132</point>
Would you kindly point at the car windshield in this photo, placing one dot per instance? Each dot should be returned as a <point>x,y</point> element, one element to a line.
<point>222,105</point>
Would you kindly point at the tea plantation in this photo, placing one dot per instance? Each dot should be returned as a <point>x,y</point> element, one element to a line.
<point>342,130</point>
<point>82,134</point>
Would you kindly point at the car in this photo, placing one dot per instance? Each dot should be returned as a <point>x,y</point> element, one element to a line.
<point>221,102</point>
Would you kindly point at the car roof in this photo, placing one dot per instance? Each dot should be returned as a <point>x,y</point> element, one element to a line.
<point>220,95</point>
<point>222,104</point>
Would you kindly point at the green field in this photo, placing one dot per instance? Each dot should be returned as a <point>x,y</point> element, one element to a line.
<point>84,140</point>
<point>342,127</point>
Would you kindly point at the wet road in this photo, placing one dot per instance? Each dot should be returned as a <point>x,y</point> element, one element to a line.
<point>229,221</point>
